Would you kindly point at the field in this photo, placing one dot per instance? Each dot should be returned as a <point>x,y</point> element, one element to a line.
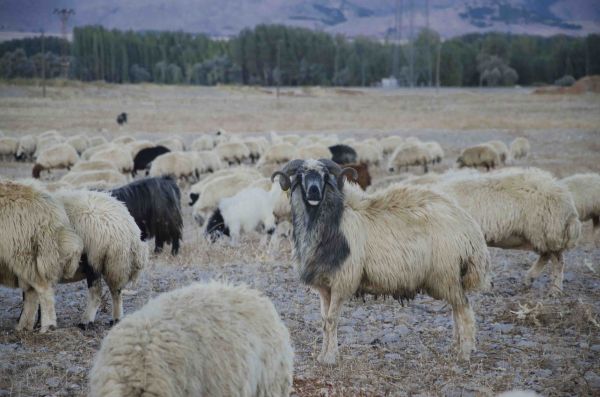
<point>526,339</point>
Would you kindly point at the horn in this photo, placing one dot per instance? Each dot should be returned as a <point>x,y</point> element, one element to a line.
<point>341,177</point>
<point>284,175</point>
<point>284,180</point>
<point>332,166</point>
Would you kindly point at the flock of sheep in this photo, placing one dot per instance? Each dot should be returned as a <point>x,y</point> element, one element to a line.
<point>402,235</point>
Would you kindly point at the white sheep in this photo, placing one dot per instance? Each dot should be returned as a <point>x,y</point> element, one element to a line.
<point>399,241</point>
<point>89,152</point>
<point>123,140</point>
<point>291,138</point>
<point>135,146</point>
<point>390,143</point>
<point>316,151</point>
<point>174,144</point>
<point>58,156</point>
<point>279,153</point>
<point>483,155</point>
<point>209,160</point>
<point>111,244</point>
<point>436,153</point>
<point>79,143</point>
<point>519,148</point>
<point>97,140</point>
<point>48,134</point>
<point>209,339</point>
<point>232,152</point>
<point>119,156</point>
<point>95,165</point>
<point>38,248</point>
<point>204,142</point>
<point>502,150</point>
<point>281,208</point>
<point>176,164</point>
<point>520,209</point>
<point>27,146</point>
<point>367,153</point>
<point>585,189</point>
<point>409,154</point>
<point>242,172</point>
<point>8,147</point>
<point>94,178</point>
<point>256,146</point>
<point>46,142</point>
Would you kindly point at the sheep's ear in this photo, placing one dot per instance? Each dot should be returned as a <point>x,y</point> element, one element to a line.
<point>284,180</point>
<point>353,175</point>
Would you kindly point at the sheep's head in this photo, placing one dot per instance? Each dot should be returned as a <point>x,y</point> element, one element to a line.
<point>314,177</point>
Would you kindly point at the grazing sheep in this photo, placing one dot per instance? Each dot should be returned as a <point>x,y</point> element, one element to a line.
<point>95,165</point>
<point>399,241</point>
<point>279,153</point>
<point>89,152</point>
<point>256,146</point>
<point>145,157</point>
<point>436,153</point>
<point>208,161</point>
<point>242,173</point>
<point>175,164</point>
<point>97,141</point>
<point>520,209</point>
<point>519,148</point>
<point>135,146</point>
<point>292,138</point>
<point>49,134</point>
<point>26,149</point>
<point>58,156</point>
<point>120,157</point>
<point>89,179</point>
<point>38,248</point>
<point>155,204</point>
<point>123,140</point>
<point>585,189</point>
<point>390,143</point>
<point>173,144</point>
<point>244,212</point>
<point>204,142</point>
<point>367,153</point>
<point>8,148</point>
<point>79,143</point>
<point>316,151</point>
<point>112,246</point>
<point>483,155</point>
<point>210,339</point>
<point>343,154</point>
<point>409,154</point>
<point>232,152</point>
<point>502,150</point>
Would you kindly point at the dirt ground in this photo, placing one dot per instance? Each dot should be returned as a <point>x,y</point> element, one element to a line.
<point>526,339</point>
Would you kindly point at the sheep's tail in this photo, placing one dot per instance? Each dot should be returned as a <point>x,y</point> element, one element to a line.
<point>476,270</point>
<point>140,259</point>
<point>572,231</point>
<point>71,249</point>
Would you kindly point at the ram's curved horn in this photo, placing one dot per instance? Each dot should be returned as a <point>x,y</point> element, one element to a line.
<point>332,166</point>
<point>284,175</point>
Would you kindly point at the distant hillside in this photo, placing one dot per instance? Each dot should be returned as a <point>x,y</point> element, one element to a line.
<point>355,17</point>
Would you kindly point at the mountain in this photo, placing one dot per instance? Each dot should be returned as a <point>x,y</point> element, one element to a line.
<point>349,17</point>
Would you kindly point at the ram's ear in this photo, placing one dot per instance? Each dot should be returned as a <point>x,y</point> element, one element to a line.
<point>352,175</point>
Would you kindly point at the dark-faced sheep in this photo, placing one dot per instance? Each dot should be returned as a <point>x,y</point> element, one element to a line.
<point>343,154</point>
<point>144,157</point>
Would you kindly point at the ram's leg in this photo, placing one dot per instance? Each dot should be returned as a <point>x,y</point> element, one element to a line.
<point>175,246</point>
<point>537,268</point>
<point>46,295</point>
<point>328,356</point>
<point>558,267</point>
<point>30,308</point>
<point>596,226</point>
<point>158,244</point>
<point>117,304</point>
<point>466,328</point>
<point>93,302</point>
<point>325,297</point>
<point>456,330</point>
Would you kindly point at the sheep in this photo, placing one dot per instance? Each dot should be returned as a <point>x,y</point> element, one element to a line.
<point>49,134</point>
<point>390,143</point>
<point>89,152</point>
<point>111,245</point>
<point>209,161</point>
<point>363,177</point>
<point>136,146</point>
<point>256,146</point>
<point>215,190</point>
<point>120,157</point>
<point>398,241</point>
<point>436,153</point>
<point>409,154</point>
<point>97,141</point>
<point>502,150</point>
<point>8,147</point>
<point>375,143</point>
<point>520,209</point>
<point>292,138</point>
<point>585,190</point>
<point>232,152</point>
<point>143,159</point>
<point>89,179</point>
<point>123,140</point>
<point>58,156</point>
<point>313,151</point>
<point>367,153</point>
<point>209,339</point>
<point>343,154</point>
<point>155,204</point>
<point>173,144</point>
<point>26,148</point>
<point>96,165</point>
<point>244,212</point>
<point>204,142</point>
<point>519,148</point>
<point>175,164</point>
<point>38,248</point>
<point>243,172</point>
<point>79,143</point>
<point>279,153</point>
<point>483,155</point>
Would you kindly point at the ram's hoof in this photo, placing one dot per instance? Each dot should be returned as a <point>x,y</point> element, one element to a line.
<point>113,322</point>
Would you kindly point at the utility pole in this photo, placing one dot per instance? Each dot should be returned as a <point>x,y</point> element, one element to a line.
<point>437,66</point>
<point>63,15</point>
<point>278,68</point>
<point>43,64</point>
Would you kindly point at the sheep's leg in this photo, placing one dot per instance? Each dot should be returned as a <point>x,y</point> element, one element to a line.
<point>329,354</point>
<point>325,297</point>
<point>117,304</point>
<point>175,246</point>
<point>93,302</point>
<point>558,267</point>
<point>30,308</point>
<point>158,244</point>
<point>46,295</point>
<point>537,268</point>
<point>466,328</point>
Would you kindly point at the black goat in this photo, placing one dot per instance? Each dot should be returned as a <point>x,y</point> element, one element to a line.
<point>146,156</point>
<point>155,204</point>
<point>343,154</point>
<point>122,118</point>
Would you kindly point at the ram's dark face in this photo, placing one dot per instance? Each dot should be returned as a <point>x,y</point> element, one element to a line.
<point>314,177</point>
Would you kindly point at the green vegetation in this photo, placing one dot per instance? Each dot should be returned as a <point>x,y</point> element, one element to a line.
<point>269,54</point>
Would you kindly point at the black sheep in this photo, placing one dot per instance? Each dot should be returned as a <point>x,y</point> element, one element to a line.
<point>145,156</point>
<point>343,154</point>
<point>122,118</point>
<point>155,204</point>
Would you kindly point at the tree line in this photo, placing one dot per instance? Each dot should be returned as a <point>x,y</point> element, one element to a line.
<point>290,56</point>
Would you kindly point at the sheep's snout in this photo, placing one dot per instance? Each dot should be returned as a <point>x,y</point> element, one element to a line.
<point>271,230</point>
<point>193,198</point>
<point>313,186</point>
